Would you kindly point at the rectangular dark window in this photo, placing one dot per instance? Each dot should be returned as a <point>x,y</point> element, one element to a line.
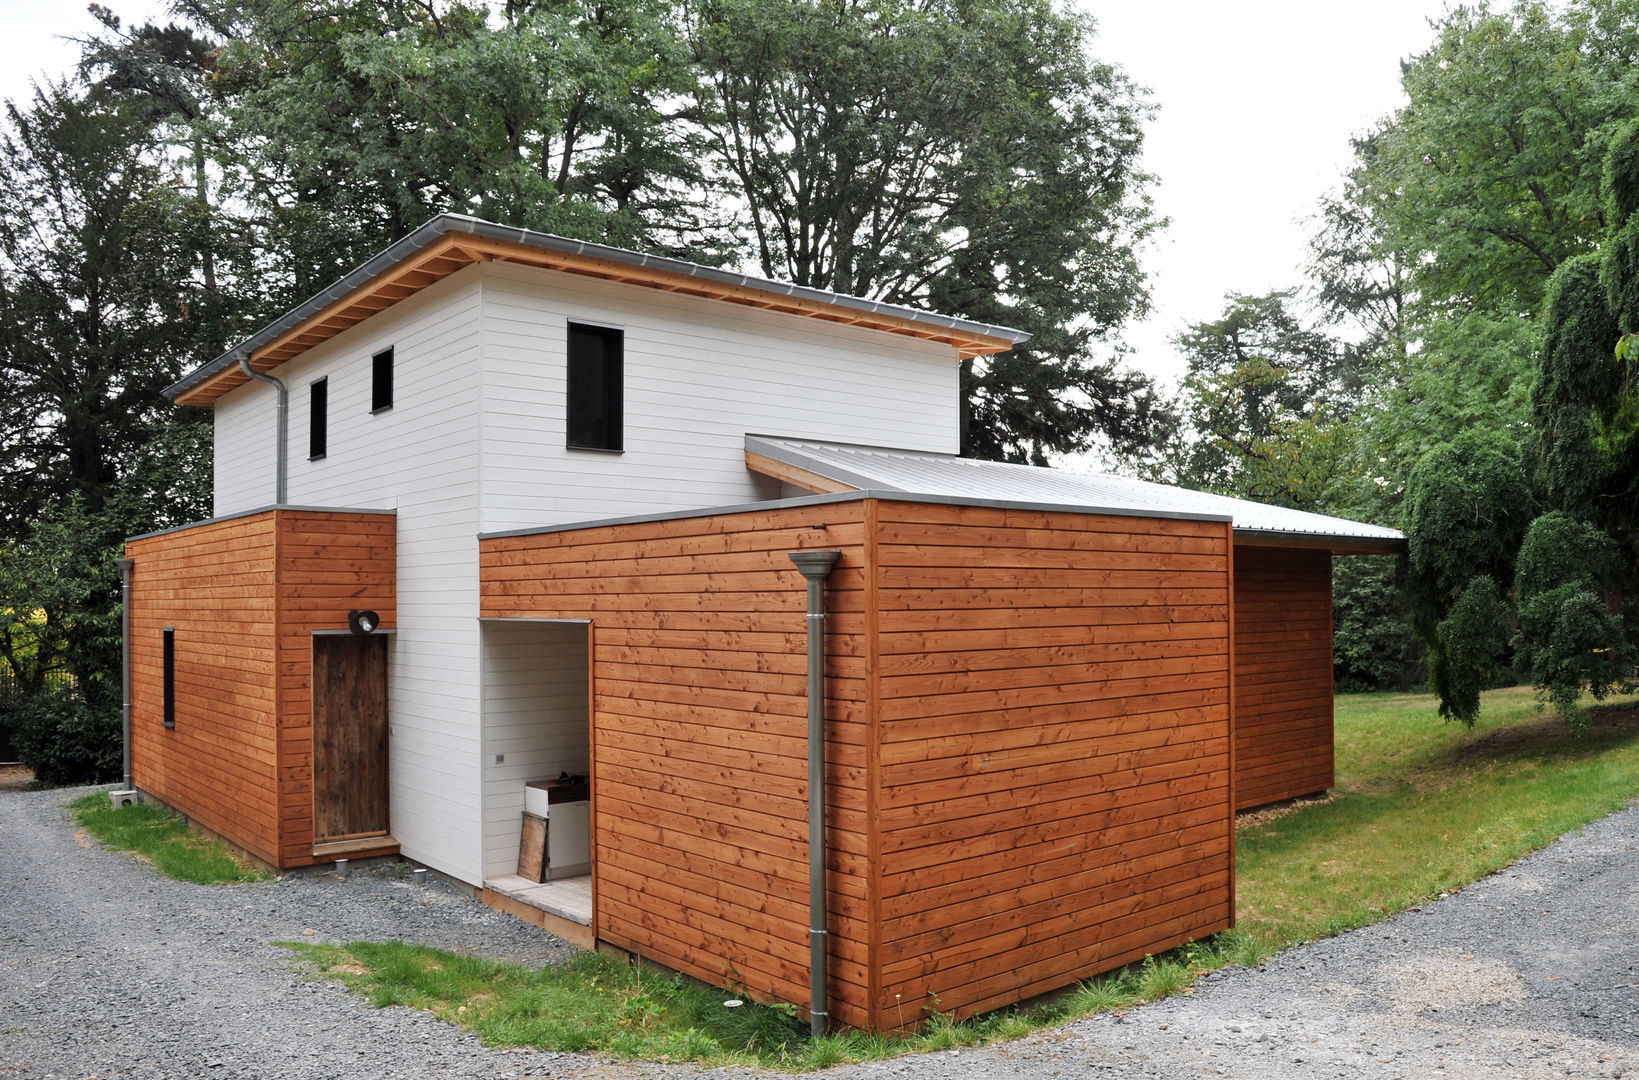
<point>318,418</point>
<point>595,361</point>
<point>381,381</point>
<point>170,677</point>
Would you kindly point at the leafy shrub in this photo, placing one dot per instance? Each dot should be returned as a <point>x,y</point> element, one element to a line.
<point>1467,506</point>
<point>1472,640</point>
<point>1373,647</point>
<point>70,737</point>
<point>1569,639</point>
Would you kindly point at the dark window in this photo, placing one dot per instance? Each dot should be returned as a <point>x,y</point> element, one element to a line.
<point>594,387</point>
<point>318,424</point>
<point>381,381</point>
<point>170,677</point>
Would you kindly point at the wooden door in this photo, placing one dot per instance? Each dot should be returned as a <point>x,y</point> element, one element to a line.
<point>349,737</point>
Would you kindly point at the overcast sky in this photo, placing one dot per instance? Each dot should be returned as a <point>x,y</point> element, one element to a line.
<point>1257,102</point>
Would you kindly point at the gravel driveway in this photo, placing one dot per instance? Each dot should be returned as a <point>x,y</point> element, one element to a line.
<point>109,970</point>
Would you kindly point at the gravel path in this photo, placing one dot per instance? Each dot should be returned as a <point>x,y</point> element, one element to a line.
<point>109,970</point>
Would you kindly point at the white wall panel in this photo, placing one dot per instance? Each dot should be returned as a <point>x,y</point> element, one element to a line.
<point>421,458</point>
<point>699,375</point>
<point>475,442</point>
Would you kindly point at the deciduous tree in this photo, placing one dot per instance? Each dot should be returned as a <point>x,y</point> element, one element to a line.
<point>966,155</point>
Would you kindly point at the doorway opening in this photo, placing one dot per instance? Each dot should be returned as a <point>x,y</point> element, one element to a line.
<point>537,764</point>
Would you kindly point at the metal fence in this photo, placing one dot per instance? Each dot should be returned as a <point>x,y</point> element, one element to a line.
<point>12,692</point>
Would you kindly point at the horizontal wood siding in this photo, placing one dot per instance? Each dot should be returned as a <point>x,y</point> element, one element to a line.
<point>244,596</point>
<point>1283,674</point>
<point>329,564</point>
<point>1055,735</point>
<point>699,736</point>
<point>214,584</point>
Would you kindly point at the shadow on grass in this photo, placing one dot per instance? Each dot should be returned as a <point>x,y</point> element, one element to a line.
<point>1550,738</point>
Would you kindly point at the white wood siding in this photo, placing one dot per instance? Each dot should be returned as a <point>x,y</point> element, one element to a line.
<point>536,688</point>
<point>699,375</point>
<point>421,458</point>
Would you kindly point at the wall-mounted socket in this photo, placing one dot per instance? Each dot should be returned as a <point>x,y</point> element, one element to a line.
<point>500,759</point>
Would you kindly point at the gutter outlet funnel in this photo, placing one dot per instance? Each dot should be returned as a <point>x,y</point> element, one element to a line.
<point>281,414</point>
<point>816,566</point>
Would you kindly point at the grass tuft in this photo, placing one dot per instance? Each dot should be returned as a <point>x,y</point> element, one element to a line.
<point>162,838</point>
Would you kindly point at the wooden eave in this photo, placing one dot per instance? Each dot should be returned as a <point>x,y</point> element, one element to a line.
<point>793,475</point>
<point>456,251</point>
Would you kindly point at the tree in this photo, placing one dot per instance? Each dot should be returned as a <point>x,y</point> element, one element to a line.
<point>1268,399</point>
<point>1372,644</point>
<point>101,304</point>
<point>1467,507</point>
<point>59,587</point>
<point>1569,638</point>
<point>1358,279</point>
<point>1488,178</point>
<point>100,301</point>
<point>964,155</point>
<point>343,126</point>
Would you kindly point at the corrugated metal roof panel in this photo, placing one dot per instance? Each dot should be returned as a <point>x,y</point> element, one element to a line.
<point>944,474</point>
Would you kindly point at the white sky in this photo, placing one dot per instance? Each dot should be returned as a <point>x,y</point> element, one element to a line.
<point>1257,102</point>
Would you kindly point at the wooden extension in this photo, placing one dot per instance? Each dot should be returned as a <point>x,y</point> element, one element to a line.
<point>1028,743</point>
<point>243,597</point>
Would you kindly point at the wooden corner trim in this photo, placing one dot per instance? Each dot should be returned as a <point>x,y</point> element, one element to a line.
<point>795,476</point>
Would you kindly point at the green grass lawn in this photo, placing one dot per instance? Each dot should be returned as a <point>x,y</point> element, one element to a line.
<point>1420,807</point>
<point>162,838</point>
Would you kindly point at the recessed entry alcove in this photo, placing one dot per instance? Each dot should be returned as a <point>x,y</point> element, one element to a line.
<point>536,727</point>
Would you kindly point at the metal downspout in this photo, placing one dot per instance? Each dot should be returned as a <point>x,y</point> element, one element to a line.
<point>816,567</point>
<point>281,411</point>
<point>126,566</point>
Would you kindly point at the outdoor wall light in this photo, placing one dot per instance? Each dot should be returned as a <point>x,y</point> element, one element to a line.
<point>363,622</point>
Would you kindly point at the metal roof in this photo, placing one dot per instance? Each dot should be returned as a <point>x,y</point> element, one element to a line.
<point>923,473</point>
<point>446,224</point>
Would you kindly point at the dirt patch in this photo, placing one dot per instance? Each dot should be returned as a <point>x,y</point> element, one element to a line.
<point>15,778</point>
<point>1432,983</point>
<point>1274,812</point>
<point>352,968</point>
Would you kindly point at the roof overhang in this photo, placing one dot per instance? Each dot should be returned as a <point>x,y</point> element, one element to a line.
<point>451,242</point>
<point>832,468</point>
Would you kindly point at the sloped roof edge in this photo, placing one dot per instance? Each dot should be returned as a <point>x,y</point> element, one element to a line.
<point>444,225</point>
<point>884,469</point>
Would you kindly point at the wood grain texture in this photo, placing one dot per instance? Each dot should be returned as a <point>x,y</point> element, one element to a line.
<point>1054,756</point>
<point>214,584</point>
<point>244,596</point>
<point>1283,674</point>
<point>699,741</point>
<point>1028,742</point>
<point>349,738</point>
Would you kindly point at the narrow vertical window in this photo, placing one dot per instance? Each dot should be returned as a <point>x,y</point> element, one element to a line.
<point>381,381</point>
<point>170,677</point>
<point>595,362</point>
<point>318,418</point>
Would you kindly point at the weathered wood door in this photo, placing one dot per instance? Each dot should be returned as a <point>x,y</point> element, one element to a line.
<point>349,737</point>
